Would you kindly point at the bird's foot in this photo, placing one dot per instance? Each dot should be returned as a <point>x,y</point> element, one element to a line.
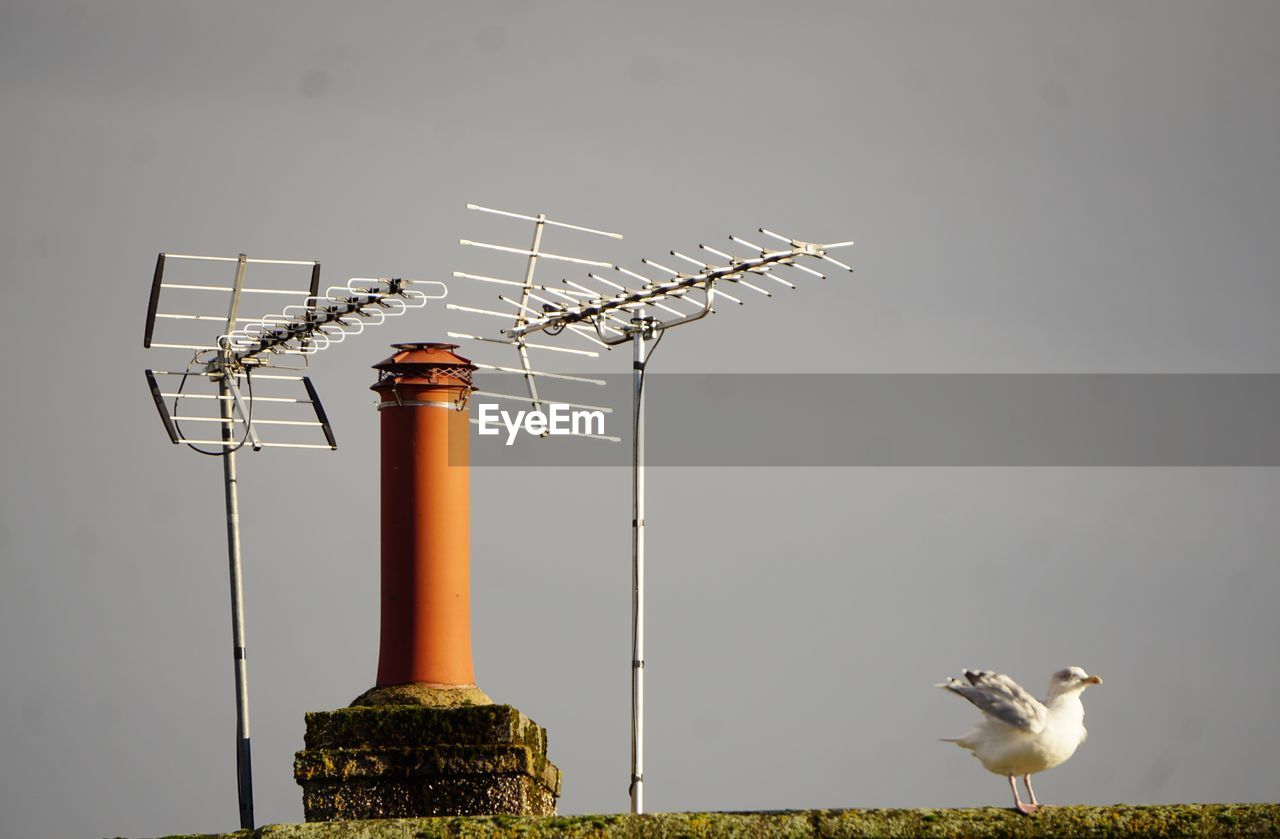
<point>1026,809</point>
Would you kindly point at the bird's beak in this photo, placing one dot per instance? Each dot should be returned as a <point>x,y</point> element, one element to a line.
<point>1093,680</point>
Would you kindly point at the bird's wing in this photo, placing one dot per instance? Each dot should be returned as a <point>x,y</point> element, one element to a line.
<point>1002,698</point>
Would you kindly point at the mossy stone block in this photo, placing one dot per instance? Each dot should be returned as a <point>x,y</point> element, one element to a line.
<point>416,725</point>
<point>398,761</point>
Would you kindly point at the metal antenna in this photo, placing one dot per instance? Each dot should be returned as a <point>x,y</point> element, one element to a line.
<point>525,300</point>
<point>617,313</point>
<point>224,372</point>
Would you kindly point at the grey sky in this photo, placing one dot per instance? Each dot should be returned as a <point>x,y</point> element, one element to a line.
<point>1034,187</point>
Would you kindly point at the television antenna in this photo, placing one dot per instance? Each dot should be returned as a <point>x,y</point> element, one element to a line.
<point>610,309</point>
<point>256,335</point>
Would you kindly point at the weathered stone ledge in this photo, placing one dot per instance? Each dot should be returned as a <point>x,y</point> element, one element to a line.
<point>1116,821</point>
<point>420,761</point>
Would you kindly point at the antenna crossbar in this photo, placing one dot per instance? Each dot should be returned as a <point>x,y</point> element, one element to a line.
<point>326,319</point>
<point>566,315</point>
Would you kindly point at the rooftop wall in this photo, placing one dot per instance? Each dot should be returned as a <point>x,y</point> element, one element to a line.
<point>1115,821</point>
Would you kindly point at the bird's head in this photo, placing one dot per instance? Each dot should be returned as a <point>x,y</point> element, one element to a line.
<point>1071,680</point>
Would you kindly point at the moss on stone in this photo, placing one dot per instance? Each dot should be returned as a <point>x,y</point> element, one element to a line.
<point>415,725</point>
<point>1117,821</point>
<point>425,762</point>
<point>1104,822</point>
<point>390,798</point>
<point>422,693</point>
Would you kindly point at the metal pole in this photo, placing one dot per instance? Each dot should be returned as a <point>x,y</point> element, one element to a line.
<point>637,563</point>
<point>244,767</point>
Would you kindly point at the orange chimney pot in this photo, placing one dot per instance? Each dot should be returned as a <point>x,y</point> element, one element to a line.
<point>426,516</point>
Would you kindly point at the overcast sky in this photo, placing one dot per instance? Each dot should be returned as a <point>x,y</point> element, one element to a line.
<point>1034,187</point>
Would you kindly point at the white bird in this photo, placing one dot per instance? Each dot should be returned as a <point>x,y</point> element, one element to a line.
<point>1018,734</point>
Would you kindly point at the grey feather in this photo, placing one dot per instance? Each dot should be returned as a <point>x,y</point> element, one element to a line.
<point>1001,698</point>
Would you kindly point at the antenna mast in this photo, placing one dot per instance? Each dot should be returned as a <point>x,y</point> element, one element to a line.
<point>248,344</point>
<point>613,312</point>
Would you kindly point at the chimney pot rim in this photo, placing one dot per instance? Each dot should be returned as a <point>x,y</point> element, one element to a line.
<point>425,345</point>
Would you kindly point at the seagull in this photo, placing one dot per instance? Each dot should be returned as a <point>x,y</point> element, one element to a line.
<point>1018,734</point>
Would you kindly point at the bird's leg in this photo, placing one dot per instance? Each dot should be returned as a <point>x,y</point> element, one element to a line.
<point>1026,779</point>
<point>1025,809</point>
